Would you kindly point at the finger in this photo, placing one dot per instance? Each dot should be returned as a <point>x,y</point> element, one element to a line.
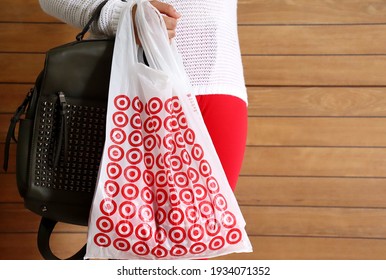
<point>171,23</point>
<point>166,9</point>
<point>171,34</point>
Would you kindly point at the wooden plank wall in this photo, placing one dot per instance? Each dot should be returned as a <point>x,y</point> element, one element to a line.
<point>313,184</point>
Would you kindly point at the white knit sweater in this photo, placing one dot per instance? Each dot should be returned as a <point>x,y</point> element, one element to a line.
<point>206,37</point>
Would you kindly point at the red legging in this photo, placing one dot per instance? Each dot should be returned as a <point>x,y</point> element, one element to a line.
<point>226,118</point>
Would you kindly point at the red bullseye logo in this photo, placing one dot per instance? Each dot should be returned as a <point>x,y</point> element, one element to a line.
<point>161,197</point>
<point>132,173</point>
<point>177,234</point>
<point>193,175</point>
<point>102,240</point>
<point>134,156</point>
<point>117,135</point>
<point>149,160</point>
<point>228,220</point>
<point>200,192</point>
<point>205,168</point>
<point>196,232</point>
<point>181,119</point>
<point>114,170</point>
<point>197,248</point>
<point>179,140</point>
<point>115,153</point>
<point>176,163</point>
<point>192,214</point>
<point>220,202</point>
<point>212,185</point>
<point>234,236</point>
<point>135,138</point>
<point>154,106</point>
<point>141,248</point>
<point>172,105</point>
<point>187,196</point>
<point>137,105</point>
<point>169,143</point>
<point>150,142</point>
<point>160,216</point>
<point>189,136</point>
<point>104,224</point>
<point>186,157</point>
<point>127,209</point>
<point>146,213</point>
<point>197,152</point>
<point>122,102</point>
<point>212,227</point>
<point>157,123</point>
<point>160,161</point>
<point>152,124</point>
<point>108,206</point>
<point>174,199</point>
<point>120,119</point>
<point>136,121</point>
<point>181,179</point>
<point>111,188</point>
<point>130,191</point>
<point>176,216</point>
<point>124,229</point>
<point>121,244</point>
<point>171,124</point>
<point>160,179</point>
<point>178,251</point>
<point>216,243</point>
<point>206,209</point>
<point>147,195</point>
<point>148,178</point>
<point>143,232</point>
<point>159,251</point>
<point>160,235</point>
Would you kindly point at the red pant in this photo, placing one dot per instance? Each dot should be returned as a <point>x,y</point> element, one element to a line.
<point>226,118</point>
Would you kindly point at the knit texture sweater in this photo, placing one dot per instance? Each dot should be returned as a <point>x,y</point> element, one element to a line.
<point>206,37</point>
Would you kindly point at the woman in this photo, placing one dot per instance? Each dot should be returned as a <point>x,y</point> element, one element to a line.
<point>206,36</point>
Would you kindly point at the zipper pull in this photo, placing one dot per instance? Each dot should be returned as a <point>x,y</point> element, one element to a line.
<point>63,133</point>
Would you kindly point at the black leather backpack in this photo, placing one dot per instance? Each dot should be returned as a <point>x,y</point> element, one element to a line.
<point>61,137</point>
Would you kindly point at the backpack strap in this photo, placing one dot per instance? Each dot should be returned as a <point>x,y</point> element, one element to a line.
<point>45,230</point>
<point>93,18</point>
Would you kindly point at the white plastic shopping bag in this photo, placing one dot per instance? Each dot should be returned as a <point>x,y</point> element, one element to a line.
<point>161,191</point>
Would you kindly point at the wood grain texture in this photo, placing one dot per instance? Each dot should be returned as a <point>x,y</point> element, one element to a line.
<point>311,11</point>
<point>317,101</point>
<point>311,191</point>
<point>315,70</point>
<point>312,40</point>
<point>311,161</point>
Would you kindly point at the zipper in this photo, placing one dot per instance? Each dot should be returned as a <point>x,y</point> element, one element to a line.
<point>63,130</point>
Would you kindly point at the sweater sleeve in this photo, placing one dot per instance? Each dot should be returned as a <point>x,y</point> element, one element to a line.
<point>78,12</point>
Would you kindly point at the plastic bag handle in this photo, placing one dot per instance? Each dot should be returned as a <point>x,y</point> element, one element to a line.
<point>160,52</point>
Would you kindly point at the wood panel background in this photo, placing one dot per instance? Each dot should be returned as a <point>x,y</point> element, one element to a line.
<point>313,183</point>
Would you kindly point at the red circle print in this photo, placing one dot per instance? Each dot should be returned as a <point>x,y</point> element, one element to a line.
<point>102,240</point>
<point>118,136</point>
<point>122,102</point>
<point>137,104</point>
<point>120,119</point>
<point>111,188</point>
<point>124,228</point>
<point>104,224</point>
<point>129,191</point>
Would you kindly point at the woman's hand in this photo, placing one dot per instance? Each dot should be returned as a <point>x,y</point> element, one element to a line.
<point>170,16</point>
